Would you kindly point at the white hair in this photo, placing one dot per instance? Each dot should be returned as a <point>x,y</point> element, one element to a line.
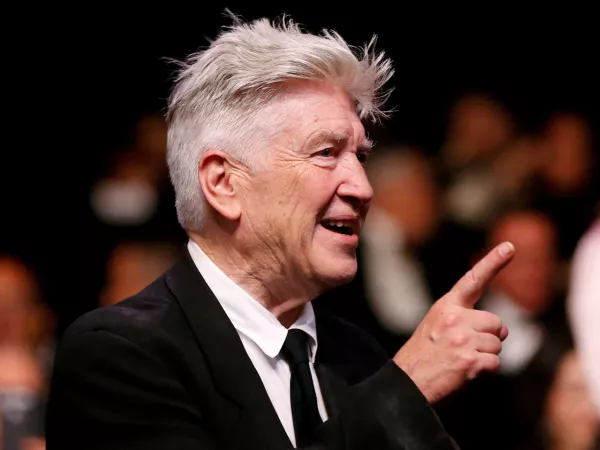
<point>222,93</point>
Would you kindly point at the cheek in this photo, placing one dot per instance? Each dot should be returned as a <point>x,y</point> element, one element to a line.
<point>294,200</point>
<point>312,193</point>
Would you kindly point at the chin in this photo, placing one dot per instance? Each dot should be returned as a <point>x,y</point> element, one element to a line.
<point>337,273</point>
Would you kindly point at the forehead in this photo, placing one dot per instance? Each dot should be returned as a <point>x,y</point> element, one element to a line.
<point>525,227</point>
<point>314,111</point>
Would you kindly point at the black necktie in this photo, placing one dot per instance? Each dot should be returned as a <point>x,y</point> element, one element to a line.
<point>302,391</point>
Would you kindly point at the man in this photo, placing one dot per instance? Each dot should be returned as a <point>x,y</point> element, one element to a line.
<point>224,351</point>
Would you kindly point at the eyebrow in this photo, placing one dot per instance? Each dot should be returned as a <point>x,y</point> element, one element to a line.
<point>366,146</point>
<point>327,136</point>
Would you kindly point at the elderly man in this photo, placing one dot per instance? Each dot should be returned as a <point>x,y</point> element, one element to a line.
<point>224,351</point>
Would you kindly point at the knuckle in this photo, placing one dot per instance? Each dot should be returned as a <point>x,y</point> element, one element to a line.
<point>459,339</point>
<point>467,362</point>
<point>451,319</point>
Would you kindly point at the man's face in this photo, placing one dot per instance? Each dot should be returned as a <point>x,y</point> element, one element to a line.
<point>305,207</point>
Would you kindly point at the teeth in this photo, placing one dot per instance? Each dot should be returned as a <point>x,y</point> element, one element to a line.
<point>338,224</point>
<point>335,224</point>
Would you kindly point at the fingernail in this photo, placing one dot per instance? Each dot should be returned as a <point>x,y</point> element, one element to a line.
<point>506,249</point>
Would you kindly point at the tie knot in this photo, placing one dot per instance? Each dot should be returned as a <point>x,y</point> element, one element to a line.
<point>295,348</point>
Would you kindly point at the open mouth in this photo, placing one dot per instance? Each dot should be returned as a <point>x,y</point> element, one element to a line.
<point>337,227</point>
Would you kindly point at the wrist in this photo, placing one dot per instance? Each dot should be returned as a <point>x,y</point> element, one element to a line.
<point>407,364</point>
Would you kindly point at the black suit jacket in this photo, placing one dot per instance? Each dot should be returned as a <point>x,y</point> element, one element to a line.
<point>166,369</point>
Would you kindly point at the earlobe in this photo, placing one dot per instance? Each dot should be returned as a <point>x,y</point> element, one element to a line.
<point>215,176</point>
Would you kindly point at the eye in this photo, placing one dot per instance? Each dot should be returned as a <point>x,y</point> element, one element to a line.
<point>326,152</point>
<point>362,157</point>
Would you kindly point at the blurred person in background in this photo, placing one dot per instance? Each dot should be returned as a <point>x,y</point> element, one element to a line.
<point>25,320</point>
<point>224,351</point>
<point>483,168</point>
<point>527,290</point>
<point>478,131</point>
<point>525,296</point>
<point>513,170</point>
<point>22,400</point>
<point>131,191</point>
<point>134,265</point>
<point>583,306</point>
<point>129,199</point>
<point>479,126</point>
<point>26,356</point>
<point>133,198</point>
<point>390,294</point>
<point>569,420</point>
<point>565,189</point>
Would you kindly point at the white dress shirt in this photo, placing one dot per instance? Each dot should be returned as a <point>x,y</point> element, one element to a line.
<point>262,336</point>
<point>584,307</point>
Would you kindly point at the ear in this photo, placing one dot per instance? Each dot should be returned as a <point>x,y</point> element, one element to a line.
<point>215,174</point>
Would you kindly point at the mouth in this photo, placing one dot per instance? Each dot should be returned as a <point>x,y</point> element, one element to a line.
<point>341,226</point>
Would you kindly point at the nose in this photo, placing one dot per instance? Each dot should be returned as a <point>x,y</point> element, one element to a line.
<point>355,187</point>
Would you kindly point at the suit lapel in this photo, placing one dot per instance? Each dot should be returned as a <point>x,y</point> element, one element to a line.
<point>235,377</point>
<point>332,378</point>
<point>332,388</point>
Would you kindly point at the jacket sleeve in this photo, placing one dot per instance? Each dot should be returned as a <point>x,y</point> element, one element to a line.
<point>109,393</point>
<point>385,411</point>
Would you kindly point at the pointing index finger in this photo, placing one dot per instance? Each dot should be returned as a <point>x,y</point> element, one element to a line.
<point>468,289</point>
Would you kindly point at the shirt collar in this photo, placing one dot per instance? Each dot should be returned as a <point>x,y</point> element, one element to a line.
<point>246,314</point>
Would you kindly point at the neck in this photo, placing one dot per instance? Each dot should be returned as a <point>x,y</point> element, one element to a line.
<point>279,294</point>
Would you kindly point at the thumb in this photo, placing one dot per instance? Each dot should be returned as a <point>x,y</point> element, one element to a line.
<point>468,289</point>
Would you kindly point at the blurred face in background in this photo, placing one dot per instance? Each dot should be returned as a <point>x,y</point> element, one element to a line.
<point>529,280</point>
<point>133,266</point>
<point>477,127</point>
<point>151,137</point>
<point>19,371</point>
<point>517,164</point>
<point>404,187</point>
<point>571,420</point>
<point>22,318</point>
<point>567,154</point>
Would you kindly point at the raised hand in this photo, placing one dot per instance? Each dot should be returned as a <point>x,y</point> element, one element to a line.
<point>454,342</point>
